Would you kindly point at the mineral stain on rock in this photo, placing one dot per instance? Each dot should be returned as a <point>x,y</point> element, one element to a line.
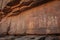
<point>41,20</point>
<point>22,5</point>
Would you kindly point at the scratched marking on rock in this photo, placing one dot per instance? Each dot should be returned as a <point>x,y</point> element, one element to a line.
<point>52,23</point>
<point>43,22</point>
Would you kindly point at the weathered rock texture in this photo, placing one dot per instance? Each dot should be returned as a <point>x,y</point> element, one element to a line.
<point>44,19</point>
<point>19,6</point>
<point>30,37</point>
<point>3,3</point>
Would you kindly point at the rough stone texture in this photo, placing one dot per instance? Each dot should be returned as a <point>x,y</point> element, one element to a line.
<point>31,37</point>
<point>17,25</point>
<point>4,26</point>
<point>15,7</point>
<point>3,3</point>
<point>43,19</point>
<point>40,20</point>
<point>8,38</point>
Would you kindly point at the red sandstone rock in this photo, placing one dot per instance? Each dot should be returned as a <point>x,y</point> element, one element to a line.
<point>43,19</point>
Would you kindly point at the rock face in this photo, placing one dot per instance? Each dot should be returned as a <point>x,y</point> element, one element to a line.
<point>3,3</point>
<point>31,37</point>
<point>19,6</point>
<point>43,19</point>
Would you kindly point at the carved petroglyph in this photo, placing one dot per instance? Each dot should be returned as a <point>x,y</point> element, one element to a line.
<point>46,20</point>
<point>43,22</point>
<point>43,19</point>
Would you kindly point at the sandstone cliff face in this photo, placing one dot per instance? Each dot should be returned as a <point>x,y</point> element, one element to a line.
<point>44,19</point>
<point>3,3</point>
<point>19,6</point>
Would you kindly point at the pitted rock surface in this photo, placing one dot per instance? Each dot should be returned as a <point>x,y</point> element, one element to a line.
<point>31,37</point>
<point>43,19</point>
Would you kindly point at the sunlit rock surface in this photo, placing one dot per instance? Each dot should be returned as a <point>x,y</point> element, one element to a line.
<point>3,3</point>
<point>39,23</point>
<point>39,20</point>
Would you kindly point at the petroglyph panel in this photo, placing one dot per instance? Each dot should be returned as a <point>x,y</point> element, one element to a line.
<point>44,19</point>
